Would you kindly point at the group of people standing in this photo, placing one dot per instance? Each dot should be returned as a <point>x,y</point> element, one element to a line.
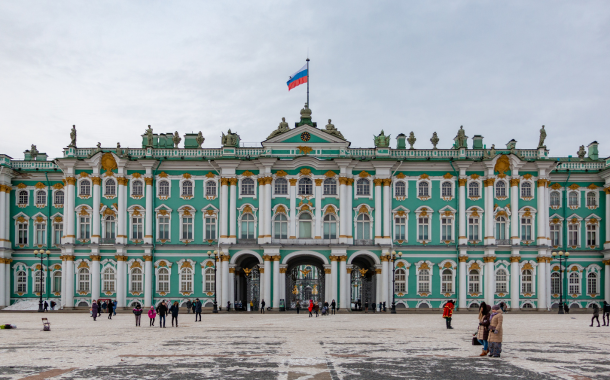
<point>489,333</point>
<point>97,307</point>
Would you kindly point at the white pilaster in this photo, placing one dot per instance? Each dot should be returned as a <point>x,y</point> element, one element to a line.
<point>69,281</point>
<point>462,239</point>
<point>267,261</point>
<point>148,225</point>
<point>2,282</point>
<point>276,281</point>
<point>69,215</point>
<point>344,302</point>
<point>121,237</point>
<point>95,276</point>
<point>267,211</point>
<point>4,211</point>
<point>514,279</point>
<point>7,221</point>
<point>387,210</point>
<point>148,280</point>
<point>327,280</point>
<point>232,286</point>
<point>515,237</point>
<point>489,211</point>
<point>607,220</point>
<point>607,280</point>
<point>378,213</point>
<point>293,208</point>
<point>378,284</point>
<point>463,276</point>
<point>121,287</point>
<point>541,277</point>
<point>95,215</point>
<point>334,274</point>
<point>542,221</point>
<point>7,281</point>
<point>233,212</point>
<point>347,283</point>
<point>385,275</point>
<point>344,212</point>
<point>350,212</point>
<point>64,275</point>
<point>225,280</point>
<point>224,209</point>
<point>282,280</point>
<point>318,228</point>
<point>218,279</point>
<point>261,210</point>
<point>490,277</point>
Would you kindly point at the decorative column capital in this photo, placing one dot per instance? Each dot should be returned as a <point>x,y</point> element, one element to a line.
<point>515,259</point>
<point>606,190</point>
<point>387,181</point>
<point>233,181</point>
<point>71,181</point>
<point>342,180</point>
<point>277,258</point>
<point>378,270</point>
<point>283,270</point>
<point>319,181</point>
<point>515,182</point>
<point>148,181</point>
<point>95,257</point>
<point>489,182</point>
<point>541,259</point>
<point>606,262</point>
<point>489,259</point>
<point>122,181</point>
<point>462,181</point>
<point>224,182</point>
<point>378,181</point>
<point>327,270</point>
<point>349,270</point>
<point>385,258</point>
<point>225,257</point>
<point>147,257</point>
<point>350,181</point>
<point>120,257</point>
<point>96,180</point>
<point>261,270</point>
<point>68,257</point>
<point>334,258</point>
<point>342,258</point>
<point>293,181</point>
<point>267,258</point>
<point>463,259</point>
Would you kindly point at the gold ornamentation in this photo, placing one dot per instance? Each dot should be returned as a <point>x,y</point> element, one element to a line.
<point>83,212</point>
<point>281,173</point>
<point>71,181</point>
<point>475,266</point>
<point>574,186</point>
<point>400,265</point>
<point>363,210</point>
<point>136,264</point>
<point>527,266</point>
<point>163,175</point>
<point>475,213</point>
<point>40,185</point>
<point>247,173</point>
<point>305,149</point>
<point>400,213</point>
<point>186,264</point>
<point>424,211</point>
<point>58,186</point>
<point>448,176</point>
<point>305,171</point>
<point>555,186</point>
<point>304,208</point>
<point>330,210</point>
<point>527,176</point>
<point>424,176</point>
<point>363,271</point>
<point>319,181</point>
<point>502,164</point>
<point>462,181</point>
<point>401,175</point>
<point>21,186</point>
<point>108,162</point>
<point>474,176</point>
<point>293,181</point>
<point>463,259</point>
<point>330,174</point>
<point>489,259</point>
<point>515,181</point>
<point>423,266</point>
<point>363,174</point>
<point>121,257</point>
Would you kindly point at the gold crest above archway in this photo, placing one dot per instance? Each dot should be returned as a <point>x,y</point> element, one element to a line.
<point>502,165</point>
<point>108,162</point>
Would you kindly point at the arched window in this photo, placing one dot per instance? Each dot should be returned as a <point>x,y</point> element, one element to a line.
<point>447,281</point>
<point>573,199</point>
<point>110,188</point>
<point>500,189</point>
<point>163,280</point>
<point>400,281</point>
<point>500,228</point>
<point>574,283</point>
<point>41,197</point>
<point>305,222</point>
<point>247,226</point>
<point>592,283</point>
<point>501,281</point>
<point>22,282</point>
<point>526,281</point>
<point>363,227</point>
<point>281,186</point>
<point>526,190</point>
<point>210,280</point>
<point>555,199</point>
<point>136,280</point>
<point>247,186</point>
<point>473,281</point>
<point>186,280</point>
<point>187,188</point>
<point>23,197</point>
<point>423,281</point>
<point>400,227</point>
<point>37,281</point>
<point>305,186</point>
<point>108,280</point>
<point>400,189</point>
<point>56,281</point>
<point>330,186</point>
<point>210,189</point>
<point>591,199</point>
<point>109,227</point>
<point>137,188</point>
<point>446,190</point>
<point>424,189</point>
<point>164,189</point>
<point>280,227</point>
<point>83,280</point>
<point>555,283</point>
<point>473,190</point>
<point>85,188</point>
<point>363,187</point>
<point>330,226</point>
<point>59,197</point>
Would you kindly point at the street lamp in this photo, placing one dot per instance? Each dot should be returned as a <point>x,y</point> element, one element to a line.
<point>562,257</point>
<point>215,256</point>
<point>41,253</point>
<point>394,280</point>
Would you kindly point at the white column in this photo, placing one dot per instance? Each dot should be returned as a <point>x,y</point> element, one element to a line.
<point>378,285</point>
<point>541,277</point>
<point>233,212</point>
<point>148,280</point>
<point>261,287</point>
<point>293,208</point>
<point>387,209</point>
<point>7,220</point>
<point>607,280</point>
<point>318,189</point>
<point>4,211</point>
<point>95,217</point>
<point>344,303</point>
<point>378,214</point>
<point>148,233</point>
<point>2,282</point>
<point>541,230</point>
<point>334,274</point>
<point>7,281</point>
<point>225,280</point>
<point>514,279</point>
<point>327,282</point>
<point>350,212</point>
<point>607,221</point>
<point>283,285</point>
<point>276,282</point>
<point>348,285</point>
<point>69,213</point>
<point>232,287</point>
<point>267,210</point>
<point>261,207</point>
<point>490,276</point>
<point>267,261</point>
<point>462,239</point>
<point>95,277</point>
<point>514,209</point>
<point>64,275</point>
<point>343,210</point>
<point>489,211</point>
<point>121,218</point>
<point>69,281</point>
<point>121,288</point>
<point>385,267</point>
<point>224,208</point>
<point>463,276</point>
<point>218,264</point>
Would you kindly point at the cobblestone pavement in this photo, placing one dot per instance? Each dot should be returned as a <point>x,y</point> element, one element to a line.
<point>290,346</point>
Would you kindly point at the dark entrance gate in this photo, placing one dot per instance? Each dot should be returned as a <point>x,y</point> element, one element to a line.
<point>253,280</point>
<point>361,289</point>
<point>304,282</point>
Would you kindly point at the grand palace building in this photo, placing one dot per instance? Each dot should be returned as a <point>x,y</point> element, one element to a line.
<point>305,216</point>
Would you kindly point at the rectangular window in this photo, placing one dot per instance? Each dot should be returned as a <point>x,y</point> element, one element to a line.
<point>85,232</point>
<point>330,230</point>
<point>591,235</point>
<point>399,229</point>
<point>473,282</point>
<point>555,229</point>
<point>573,235</point>
<point>526,229</point>
<point>473,229</point>
<point>137,228</point>
<point>58,232</point>
<point>423,229</point>
<point>164,228</point>
<point>41,229</point>
<point>22,233</point>
<point>446,229</point>
<point>210,228</point>
<point>187,228</point>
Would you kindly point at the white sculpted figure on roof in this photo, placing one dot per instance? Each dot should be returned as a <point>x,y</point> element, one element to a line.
<point>283,127</point>
<point>331,130</point>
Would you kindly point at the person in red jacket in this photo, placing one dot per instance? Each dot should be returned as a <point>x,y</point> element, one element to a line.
<point>448,312</point>
<point>310,308</point>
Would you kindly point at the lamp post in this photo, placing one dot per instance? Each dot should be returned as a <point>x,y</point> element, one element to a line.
<point>41,253</point>
<point>394,280</point>
<point>562,257</point>
<point>215,256</point>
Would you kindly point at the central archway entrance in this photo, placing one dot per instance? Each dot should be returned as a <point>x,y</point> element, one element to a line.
<point>363,283</point>
<point>247,282</point>
<point>305,281</point>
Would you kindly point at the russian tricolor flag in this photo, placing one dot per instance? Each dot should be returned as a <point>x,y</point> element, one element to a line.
<point>298,78</point>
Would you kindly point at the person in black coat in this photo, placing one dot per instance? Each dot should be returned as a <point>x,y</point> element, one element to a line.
<point>110,305</point>
<point>197,305</point>
<point>606,314</point>
<point>46,306</point>
<point>162,311</point>
<point>174,310</point>
<point>262,306</point>
<point>189,304</point>
<point>94,311</point>
<point>333,307</point>
<point>137,311</point>
<point>99,308</point>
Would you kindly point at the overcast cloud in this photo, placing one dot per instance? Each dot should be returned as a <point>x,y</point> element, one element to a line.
<point>501,69</point>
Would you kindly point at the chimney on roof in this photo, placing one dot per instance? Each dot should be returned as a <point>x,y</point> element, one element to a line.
<point>593,152</point>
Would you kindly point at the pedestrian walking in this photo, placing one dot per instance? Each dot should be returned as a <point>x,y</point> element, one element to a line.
<point>99,308</point>
<point>197,309</point>
<point>94,310</point>
<point>137,311</point>
<point>595,315</point>
<point>366,306</point>
<point>380,307</point>
<point>298,306</point>
<point>448,313</point>
<point>373,308</point>
<point>310,308</point>
<point>566,309</point>
<point>228,305</point>
<point>606,314</point>
<point>104,306</point>
<point>53,305</point>
<point>263,306</point>
<point>110,305</point>
<point>174,310</point>
<point>316,308</point>
<point>162,311</point>
<point>151,316</point>
<point>189,305</point>
<point>333,307</point>
<point>114,305</point>
<point>495,332</point>
<point>483,331</point>
<point>194,308</point>
<point>46,306</point>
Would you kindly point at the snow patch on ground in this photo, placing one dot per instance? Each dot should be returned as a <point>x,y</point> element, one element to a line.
<point>23,305</point>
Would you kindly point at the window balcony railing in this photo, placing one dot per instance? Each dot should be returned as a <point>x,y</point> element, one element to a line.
<point>364,242</point>
<point>503,242</point>
<point>305,241</point>
<point>107,241</point>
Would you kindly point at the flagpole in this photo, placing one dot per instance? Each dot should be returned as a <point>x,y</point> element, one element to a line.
<point>307,82</point>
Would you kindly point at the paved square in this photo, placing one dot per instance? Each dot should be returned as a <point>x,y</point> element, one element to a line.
<point>290,346</point>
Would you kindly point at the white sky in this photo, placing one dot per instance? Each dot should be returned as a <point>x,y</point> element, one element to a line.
<point>500,68</point>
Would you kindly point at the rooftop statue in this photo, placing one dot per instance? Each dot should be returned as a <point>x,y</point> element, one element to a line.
<point>492,152</point>
<point>461,140</point>
<point>73,137</point>
<point>283,127</point>
<point>149,136</point>
<point>33,152</point>
<point>511,145</point>
<point>200,139</point>
<point>542,138</point>
<point>230,139</point>
<point>411,140</point>
<point>176,139</point>
<point>382,141</point>
<point>434,140</point>
<point>581,152</point>
<point>120,151</point>
<point>331,130</point>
